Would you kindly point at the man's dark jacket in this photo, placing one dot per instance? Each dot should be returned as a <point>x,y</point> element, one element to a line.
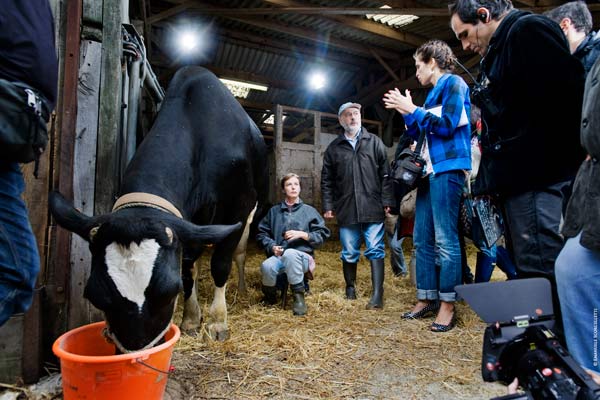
<point>583,211</point>
<point>355,184</point>
<point>537,87</point>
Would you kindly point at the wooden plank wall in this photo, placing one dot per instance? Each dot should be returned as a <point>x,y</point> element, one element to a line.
<point>84,171</point>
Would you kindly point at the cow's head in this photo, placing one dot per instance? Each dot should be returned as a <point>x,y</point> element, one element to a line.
<point>136,260</point>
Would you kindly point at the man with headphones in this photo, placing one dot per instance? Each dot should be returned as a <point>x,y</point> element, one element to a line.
<point>530,138</point>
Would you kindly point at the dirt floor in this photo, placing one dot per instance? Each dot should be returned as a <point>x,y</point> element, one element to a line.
<point>339,350</point>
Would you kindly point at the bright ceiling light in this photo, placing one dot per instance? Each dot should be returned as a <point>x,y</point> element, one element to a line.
<point>188,41</point>
<point>317,80</point>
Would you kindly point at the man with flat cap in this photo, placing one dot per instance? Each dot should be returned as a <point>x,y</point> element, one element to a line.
<point>355,188</point>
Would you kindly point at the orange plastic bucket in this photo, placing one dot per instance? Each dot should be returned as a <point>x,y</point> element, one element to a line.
<point>91,370</point>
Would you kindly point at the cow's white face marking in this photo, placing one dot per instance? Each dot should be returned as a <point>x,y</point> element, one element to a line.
<point>130,267</point>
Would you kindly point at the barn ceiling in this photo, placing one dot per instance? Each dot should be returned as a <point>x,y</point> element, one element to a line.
<point>361,48</point>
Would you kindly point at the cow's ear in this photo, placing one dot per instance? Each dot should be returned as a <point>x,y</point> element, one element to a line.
<point>191,234</point>
<point>69,218</point>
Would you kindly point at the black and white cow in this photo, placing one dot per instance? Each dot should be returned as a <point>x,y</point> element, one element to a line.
<point>204,160</point>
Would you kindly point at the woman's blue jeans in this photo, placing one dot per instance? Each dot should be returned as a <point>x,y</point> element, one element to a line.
<point>19,258</point>
<point>577,272</point>
<point>351,237</point>
<point>293,262</point>
<point>436,226</point>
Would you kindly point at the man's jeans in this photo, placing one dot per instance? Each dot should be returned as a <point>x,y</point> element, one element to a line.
<point>397,255</point>
<point>578,280</point>
<point>19,259</point>
<point>293,262</point>
<point>436,226</point>
<point>351,235</point>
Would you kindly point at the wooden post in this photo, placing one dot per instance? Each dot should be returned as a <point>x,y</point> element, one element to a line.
<point>46,320</point>
<point>278,150</point>
<point>110,108</point>
<point>81,311</point>
<point>317,162</point>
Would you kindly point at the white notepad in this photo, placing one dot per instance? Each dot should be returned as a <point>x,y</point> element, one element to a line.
<point>437,111</point>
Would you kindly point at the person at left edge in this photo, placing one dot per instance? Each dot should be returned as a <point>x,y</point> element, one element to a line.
<point>27,56</point>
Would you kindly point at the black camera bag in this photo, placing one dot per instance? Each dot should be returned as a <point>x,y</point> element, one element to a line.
<point>408,167</point>
<point>23,116</point>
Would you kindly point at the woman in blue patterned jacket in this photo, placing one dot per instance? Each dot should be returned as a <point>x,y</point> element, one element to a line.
<point>447,151</point>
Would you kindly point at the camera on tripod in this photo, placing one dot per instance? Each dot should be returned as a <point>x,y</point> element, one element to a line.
<point>519,342</point>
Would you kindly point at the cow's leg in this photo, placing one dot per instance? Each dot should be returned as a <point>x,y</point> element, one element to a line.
<point>239,255</point>
<point>220,267</point>
<point>218,329</point>
<point>192,315</point>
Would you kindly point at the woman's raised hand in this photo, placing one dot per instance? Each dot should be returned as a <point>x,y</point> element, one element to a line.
<point>401,103</point>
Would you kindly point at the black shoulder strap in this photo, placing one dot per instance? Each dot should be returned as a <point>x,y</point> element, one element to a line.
<point>420,141</point>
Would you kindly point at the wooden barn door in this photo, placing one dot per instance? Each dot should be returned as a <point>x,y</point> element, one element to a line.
<point>296,142</point>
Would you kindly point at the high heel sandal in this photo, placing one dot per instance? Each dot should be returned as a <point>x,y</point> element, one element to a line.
<point>430,308</point>
<point>435,327</point>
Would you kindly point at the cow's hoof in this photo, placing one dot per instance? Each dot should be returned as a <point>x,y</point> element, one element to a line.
<point>218,331</point>
<point>189,326</point>
<point>191,332</point>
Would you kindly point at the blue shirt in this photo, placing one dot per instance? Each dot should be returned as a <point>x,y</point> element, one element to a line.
<point>353,141</point>
<point>449,145</point>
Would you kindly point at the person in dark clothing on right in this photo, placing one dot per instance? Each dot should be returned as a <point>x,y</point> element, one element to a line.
<point>575,20</point>
<point>531,95</point>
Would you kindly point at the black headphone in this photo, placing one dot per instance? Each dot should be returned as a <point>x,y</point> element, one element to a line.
<point>483,14</point>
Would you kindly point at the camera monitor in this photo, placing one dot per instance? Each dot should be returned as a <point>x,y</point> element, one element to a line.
<point>503,301</point>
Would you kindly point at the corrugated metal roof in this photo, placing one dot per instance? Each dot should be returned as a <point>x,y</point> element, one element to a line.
<point>284,48</point>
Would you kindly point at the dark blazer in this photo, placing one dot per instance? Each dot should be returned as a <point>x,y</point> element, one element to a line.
<point>537,87</point>
<point>583,211</point>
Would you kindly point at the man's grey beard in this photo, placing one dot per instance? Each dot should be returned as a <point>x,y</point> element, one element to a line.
<point>348,129</point>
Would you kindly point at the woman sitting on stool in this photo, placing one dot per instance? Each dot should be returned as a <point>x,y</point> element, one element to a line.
<point>289,233</point>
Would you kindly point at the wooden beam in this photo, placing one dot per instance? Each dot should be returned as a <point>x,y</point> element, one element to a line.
<point>169,12</point>
<point>364,25</point>
<point>379,29</point>
<point>385,65</point>
<point>420,12</point>
<point>311,35</point>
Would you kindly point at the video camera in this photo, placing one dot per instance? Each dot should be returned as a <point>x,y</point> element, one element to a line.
<point>519,342</point>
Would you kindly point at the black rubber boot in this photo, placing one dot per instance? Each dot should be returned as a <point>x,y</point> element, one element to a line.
<point>270,293</point>
<point>299,307</point>
<point>377,274</point>
<point>350,278</point>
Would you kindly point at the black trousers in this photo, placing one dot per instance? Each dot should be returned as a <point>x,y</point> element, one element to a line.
<point>532,220</point>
